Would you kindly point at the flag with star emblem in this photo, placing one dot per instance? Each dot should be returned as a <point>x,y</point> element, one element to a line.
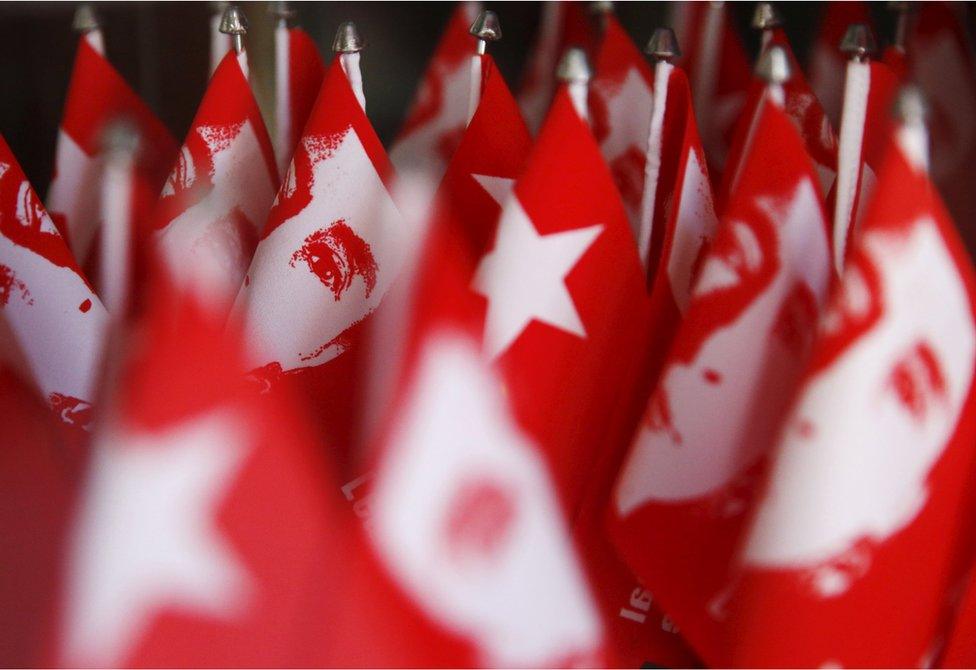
<point>333,244</point>
<point>620,112</point>
<point>215,201</point>
<point>873,467</point>
<point>98,95</point>
<point>463,510</point>
<point>687,483</point>
<point>802,107</point>
<point>562,24</point>
<point>56,319</point>
<point>826,62</point>
<point>434,125</point>
<point>716,63</point>
<point>298,77</point>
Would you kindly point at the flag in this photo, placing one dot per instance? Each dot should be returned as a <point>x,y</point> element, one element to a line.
<point>56,319</point>
<point>620,112</point>
<point>215,201</point>
<point>715,60</point>
<point>463,510</point>
<point>873,466</point>
<point>332,247</point>
<point>298,77</point>
<point>97,96</point>
<point>682,496</point>
<point>802,107</point>
<point>562,24</point>
<point>826,62</point>
<point>436,120</point>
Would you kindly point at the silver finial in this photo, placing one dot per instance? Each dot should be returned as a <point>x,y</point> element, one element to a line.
<point>766,16</point>
<point>234,23</point>
<point>120,138</point>
<point>663,45</point>
<point>347,39</point>
<point>774,65</point>
<point>85,19</point>
<point>858,42</point>
<point>486,28</point>
<point>282,11</point>
<point>910,107</point>
<point>601,7</point>
<point>574,66</point>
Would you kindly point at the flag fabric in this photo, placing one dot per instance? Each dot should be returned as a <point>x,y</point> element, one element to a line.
<point>802,107</point>
<point>298,77</point>
<point>332,246</point>
<point>826,62</point>
<point>873,467</point>
<point>435,122</point>
<point>97,96</point>
<point>463,509</point>
<point>620,112</point>
<point>562,24</point>
<point>682,496</point>
<point>56,319</point>
<point>716,63</point>
<point>940,58</point>
<point>216,199</point>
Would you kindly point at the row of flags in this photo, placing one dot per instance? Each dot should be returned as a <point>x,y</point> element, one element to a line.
<point>660,362</point>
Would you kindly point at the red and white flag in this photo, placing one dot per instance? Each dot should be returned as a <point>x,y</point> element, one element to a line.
<point>826,62</point>
<point>215,202</point>
<point>686,486</point>
<point>941,61</point>
<point>802,107</point>
<point>333,244</point>
<point>620,112</point>
<point>562,24</point>
<point>97,96</point>
<point>432,130</point>
<point>298,78</point>
<point>865,526</point>
<point>57,320</point>
<point>716,63</point>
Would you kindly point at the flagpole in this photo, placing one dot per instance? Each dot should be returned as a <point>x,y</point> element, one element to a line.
<point>218,41</point>
<point>574,70</point>
<point>120,144</point>
<point>347,44</point>
<point>912,136</point>
<point>901,22</point>
<point>705,77</point>
<point>601,10</point>
<point>486,28</point>
<point>86,24</point>
<point>283,14</point>
<point>858,43</point>
<point>663,48</point>
<point>234,23</point>
<point>766,18</point>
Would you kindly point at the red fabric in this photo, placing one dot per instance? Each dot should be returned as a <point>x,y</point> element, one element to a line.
<point>305,72</point>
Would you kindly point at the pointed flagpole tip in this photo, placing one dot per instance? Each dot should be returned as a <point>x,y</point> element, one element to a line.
<point>858,42</point>
<point>347,39</point>
<point>85,19</point>
<point>601,8</point>
<point>766,16</point>
<point>486,26</point>
<point>282,11</point>
<point>233,22</point>
<point>663,45</point>
<point>120,138</point>
<point>574,66</point>
<point>910,107</point>
<point>774,66</point>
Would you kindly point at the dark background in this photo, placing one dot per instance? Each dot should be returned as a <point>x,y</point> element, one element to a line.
<point>162,49</point>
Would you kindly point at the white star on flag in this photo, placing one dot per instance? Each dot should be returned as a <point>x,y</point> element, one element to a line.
<point>147,537</point>
<point>523,278</point>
